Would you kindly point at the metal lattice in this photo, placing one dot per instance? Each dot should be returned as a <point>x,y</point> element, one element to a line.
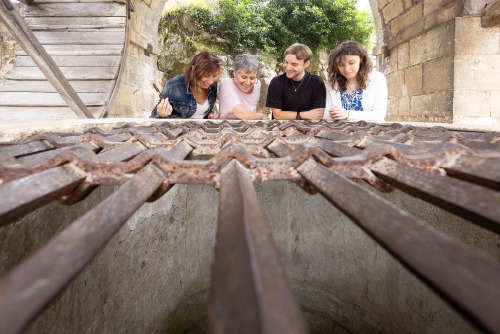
<point>458,171</point>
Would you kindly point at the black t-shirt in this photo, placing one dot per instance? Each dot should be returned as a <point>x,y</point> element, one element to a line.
<point>310,94</point>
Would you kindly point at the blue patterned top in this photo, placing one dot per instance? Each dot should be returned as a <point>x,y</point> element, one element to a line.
<point>352,101</point>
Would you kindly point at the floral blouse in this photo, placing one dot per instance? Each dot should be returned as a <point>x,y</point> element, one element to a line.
<point>352,101</point>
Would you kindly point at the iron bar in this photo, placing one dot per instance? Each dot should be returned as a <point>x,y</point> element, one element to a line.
<point>44,187</point>
<point>469,280</point>
<point>31,285</point>
<point>250,292</point>
<point>474,202</point>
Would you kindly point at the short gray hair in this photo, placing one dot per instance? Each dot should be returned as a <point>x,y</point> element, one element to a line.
<point>251,63</point>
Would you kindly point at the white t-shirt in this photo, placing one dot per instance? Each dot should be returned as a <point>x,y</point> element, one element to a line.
<point>230,96</point>
<point>200,110</point>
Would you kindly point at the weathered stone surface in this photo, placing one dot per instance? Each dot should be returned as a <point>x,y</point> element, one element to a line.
<point>433,106</point>
<point>468,29</point>
<point>409,17</point>
<point>393,9</point>
<point>413,80</point>
<point>405,106</point>
<point>495,105</point>
<point>442,15</point>
<point>432,5</point>
<point>403,56</point>
<point>433,44</point>
<point>477,72</point>
<point>438,75</point>
<point>396,84</point>
<point>472,104</point>
<point>8,48</point>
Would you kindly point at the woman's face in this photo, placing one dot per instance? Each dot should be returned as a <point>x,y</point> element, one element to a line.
<point>208,79</point>
<point>245,80</point>
<point>349,66</point>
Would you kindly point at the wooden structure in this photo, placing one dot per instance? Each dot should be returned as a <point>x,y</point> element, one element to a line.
<point>87,40</point>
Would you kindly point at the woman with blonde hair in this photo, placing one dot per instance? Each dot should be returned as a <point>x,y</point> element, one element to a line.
<point>193,94</point>
<point>355,91</point>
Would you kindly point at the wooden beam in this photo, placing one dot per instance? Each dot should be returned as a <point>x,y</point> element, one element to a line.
<point>28,41</point>
<point>491,18</point>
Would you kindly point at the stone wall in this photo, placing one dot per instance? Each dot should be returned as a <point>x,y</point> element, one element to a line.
<point>440,64</point>
<point>136,96</point>
<point>8,48</point>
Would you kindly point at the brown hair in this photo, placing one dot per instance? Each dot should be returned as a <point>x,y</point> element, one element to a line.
<point>348,48</point>
<point>202,64</point>
<point>300,51</point>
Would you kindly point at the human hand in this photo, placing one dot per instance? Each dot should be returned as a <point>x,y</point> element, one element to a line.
<point>313,114</point>
<point>264,117</point>
<point>164,108</point>
<point>337,113</point>
<point>213,115</point>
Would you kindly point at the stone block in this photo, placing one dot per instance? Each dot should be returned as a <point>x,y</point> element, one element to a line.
<point>432,5</point>
<point>477,72</point>
<point>466,37</point>
<point>475,121</point>
<point>405,106</point>
<point>413,80</point>
<point>407,34</point>
<point>471,104</point>
<point>395,84</point>
<point>495,105</point>
<point>438,75</point>
<point>393,107</point>
<point>433,106</point>
<point>382,3</point>
<point>411,16</point>
<point>433,44</point>
<point>394,59</point>
<point>403,56</point>
<point>441,15</point>
<point>393,9</point>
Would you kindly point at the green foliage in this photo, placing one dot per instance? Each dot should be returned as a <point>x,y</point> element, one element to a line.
<point>273,25</point>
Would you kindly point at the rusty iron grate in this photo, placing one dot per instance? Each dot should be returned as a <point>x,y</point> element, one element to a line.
<point>458,171</point>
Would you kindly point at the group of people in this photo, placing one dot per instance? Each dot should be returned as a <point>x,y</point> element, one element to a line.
<point>354,90</point>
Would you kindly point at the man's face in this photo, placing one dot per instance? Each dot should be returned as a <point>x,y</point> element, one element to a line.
<point>294,68</point>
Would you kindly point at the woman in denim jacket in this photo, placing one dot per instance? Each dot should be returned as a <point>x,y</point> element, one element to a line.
<point>193,94</point>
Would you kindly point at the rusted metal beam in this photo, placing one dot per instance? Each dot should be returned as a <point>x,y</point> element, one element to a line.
<point>250,292</point>
<point>471,201</point>
<point>467,279</point>
<point>31,285</point>
<point>31,192</point>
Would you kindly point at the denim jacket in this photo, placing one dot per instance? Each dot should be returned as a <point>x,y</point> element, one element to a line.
<point>182,99</point>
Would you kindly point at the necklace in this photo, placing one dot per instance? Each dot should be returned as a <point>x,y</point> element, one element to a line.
<point>301,81</point>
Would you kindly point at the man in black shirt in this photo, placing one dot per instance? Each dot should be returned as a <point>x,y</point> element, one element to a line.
<point>297,94</point>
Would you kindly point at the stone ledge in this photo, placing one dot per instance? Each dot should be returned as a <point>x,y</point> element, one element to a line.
<point>16,131</point>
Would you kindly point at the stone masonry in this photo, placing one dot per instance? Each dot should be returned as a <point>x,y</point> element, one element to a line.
<point>441,65</point>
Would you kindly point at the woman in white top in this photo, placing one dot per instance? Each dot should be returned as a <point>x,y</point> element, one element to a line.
<point>355,91</point>
<point>238,96</point>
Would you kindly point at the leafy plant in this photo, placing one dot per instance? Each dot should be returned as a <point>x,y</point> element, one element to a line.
<point>273,25</point>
